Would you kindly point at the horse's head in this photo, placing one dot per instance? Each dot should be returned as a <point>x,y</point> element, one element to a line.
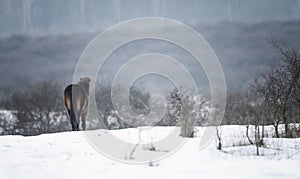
<point>85,82</point>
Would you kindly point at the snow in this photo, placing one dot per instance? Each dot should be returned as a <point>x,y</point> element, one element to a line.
<point>8,116</point>
<point>69,155</point>
<point>7,120</point>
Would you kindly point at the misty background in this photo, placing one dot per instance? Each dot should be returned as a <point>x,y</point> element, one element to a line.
<point>42,40</point>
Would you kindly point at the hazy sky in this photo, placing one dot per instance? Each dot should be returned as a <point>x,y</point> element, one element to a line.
<point>57,16</point>
<point>54,34</point>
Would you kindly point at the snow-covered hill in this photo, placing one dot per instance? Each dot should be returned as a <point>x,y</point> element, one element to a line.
<point>69,155</point>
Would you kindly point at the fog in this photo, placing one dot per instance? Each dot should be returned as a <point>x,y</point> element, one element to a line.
<point>56,16</point>
<point>42,40</point>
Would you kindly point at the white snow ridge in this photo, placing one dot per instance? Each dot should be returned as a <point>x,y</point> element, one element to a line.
<point>69,155</point>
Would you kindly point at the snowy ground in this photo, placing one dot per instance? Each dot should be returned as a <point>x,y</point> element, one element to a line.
<point>69,155</point>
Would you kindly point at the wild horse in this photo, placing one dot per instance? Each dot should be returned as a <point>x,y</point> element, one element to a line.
<point>76,102</point>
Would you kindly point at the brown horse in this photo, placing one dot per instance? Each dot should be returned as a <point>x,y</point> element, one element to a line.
<point>76,102</point>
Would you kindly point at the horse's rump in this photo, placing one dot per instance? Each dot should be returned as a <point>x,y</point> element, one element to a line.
<point>76,101</point>
<point>75,94</point>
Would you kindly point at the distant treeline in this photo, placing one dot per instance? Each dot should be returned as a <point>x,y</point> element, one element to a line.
<point>242,49</point>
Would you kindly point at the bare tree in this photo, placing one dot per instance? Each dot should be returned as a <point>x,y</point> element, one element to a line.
<point>266,88</point>
<point>239,110</point>
<point>289,74</point>
<point>278,87</point>
<point>188,115</point>
<point>184,109</point>
<point>138,100</point>
<point>216,112</point>
<point>259,116</point>
<point>174,107</point>
<point>105,107</point>
<point>219,138</point>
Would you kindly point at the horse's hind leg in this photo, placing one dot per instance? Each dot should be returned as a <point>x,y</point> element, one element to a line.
<point>74,123</point>
<point>71,119</point>
<point>83,120</point>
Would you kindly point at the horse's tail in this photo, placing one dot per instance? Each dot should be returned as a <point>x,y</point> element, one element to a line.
<point>71,105</point>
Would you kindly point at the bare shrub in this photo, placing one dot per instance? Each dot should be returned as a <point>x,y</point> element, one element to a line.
<point>38,109</point>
